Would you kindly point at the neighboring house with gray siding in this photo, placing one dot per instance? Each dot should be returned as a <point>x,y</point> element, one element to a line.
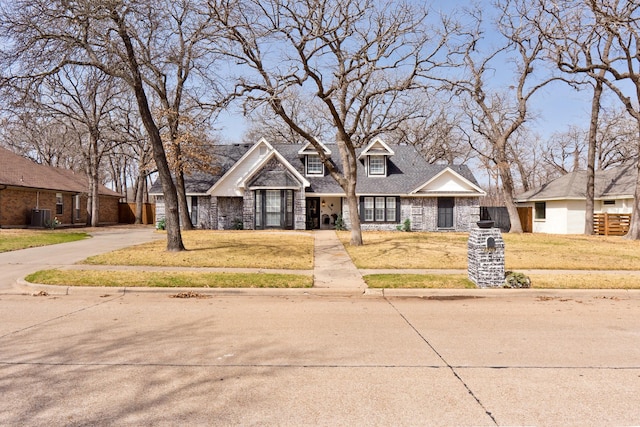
<point>286,186</point>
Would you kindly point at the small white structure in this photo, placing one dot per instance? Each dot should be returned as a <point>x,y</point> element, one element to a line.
<point>559,206</point>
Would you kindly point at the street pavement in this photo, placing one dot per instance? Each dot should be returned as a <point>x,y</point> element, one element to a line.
<point>149,359</point>
<point>438,357</point>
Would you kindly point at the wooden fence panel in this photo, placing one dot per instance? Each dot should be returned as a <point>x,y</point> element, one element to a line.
<point>127,213</point>
<point>609,224</point>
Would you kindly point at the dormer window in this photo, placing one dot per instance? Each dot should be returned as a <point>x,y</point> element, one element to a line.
<point>377,166</point>
<point>314,165</point>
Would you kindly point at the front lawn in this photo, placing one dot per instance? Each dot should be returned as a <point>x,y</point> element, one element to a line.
<point>549,280</point>
<point>165,279</point>
<point>13,239</point>
<point>394,250</point>
<point>224,249</point>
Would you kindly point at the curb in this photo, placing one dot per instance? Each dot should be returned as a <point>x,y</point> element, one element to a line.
<point>27,288</point>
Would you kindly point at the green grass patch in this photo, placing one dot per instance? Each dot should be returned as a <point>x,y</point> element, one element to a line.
<point>225,249</point>
<point>411,281</point>
<point>168,279</point>
<point>13,240</point>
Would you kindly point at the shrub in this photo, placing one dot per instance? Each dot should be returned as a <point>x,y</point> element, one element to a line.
<point>405,226</point>
<point>161,224</point>
<point>339,222</point>
<point>513,279</point>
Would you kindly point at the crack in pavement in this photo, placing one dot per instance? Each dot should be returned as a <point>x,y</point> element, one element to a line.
<point>449,366</point>
<point>62,316</point>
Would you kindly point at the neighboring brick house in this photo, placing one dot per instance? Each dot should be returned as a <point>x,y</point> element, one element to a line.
<point>286,186</point>
<point>32,194</point>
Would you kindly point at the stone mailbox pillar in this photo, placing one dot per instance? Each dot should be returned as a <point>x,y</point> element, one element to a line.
<point>486,256</point>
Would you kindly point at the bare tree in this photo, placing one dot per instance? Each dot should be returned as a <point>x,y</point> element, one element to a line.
<point>124,39</point>
<point>495,113</point>
<point>599,39</point>
<point>84,97</point>
<point>616,141</point>
<point>356,61</point>
<point>564,152</point>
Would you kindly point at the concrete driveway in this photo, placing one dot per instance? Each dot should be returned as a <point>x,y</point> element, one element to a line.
<point>148,359</point>
<point>17,264</point>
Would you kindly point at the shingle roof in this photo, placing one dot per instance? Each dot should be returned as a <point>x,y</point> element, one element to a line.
<point>19,171</point>
<point>616,182</point>
<point>407,170</point>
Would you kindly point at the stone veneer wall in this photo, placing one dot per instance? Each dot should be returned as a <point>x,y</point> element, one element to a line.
<point>485,265</point>
<point>423,213</point>
<point>299,210</point>
<point>229,210</point>
<point>248,210</point>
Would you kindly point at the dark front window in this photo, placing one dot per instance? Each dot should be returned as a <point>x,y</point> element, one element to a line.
<point>445,212</point>
<point>274,209</point>
<point>541,210</point>
<point>379,209</point>
<point>59,204</point>
<point>194,210</point>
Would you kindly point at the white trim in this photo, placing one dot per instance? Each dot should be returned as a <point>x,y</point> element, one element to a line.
<point>479,191</point>
<point>305,149</point>
<point>243,182</point>
<point>237,164</point>
<point>376,141</point>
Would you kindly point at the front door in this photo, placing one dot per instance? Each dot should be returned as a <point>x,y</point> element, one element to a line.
<point>313,213</point>
<point>445,212</point>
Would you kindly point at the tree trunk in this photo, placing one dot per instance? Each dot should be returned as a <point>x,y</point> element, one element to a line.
<point>95,199</point>
<point>185,218</point>
<point>139,196</point>
<point>507,189</point>
<point>634,228</point>
<point>591,159</point>
<point>174,237</point>
<point>354,215</point>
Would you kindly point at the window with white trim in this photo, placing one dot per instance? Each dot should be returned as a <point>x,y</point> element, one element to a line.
<point>377,165</point>
<point>314,165</point>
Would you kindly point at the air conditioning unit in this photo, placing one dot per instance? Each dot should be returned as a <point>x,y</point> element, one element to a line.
<point>40,217</point>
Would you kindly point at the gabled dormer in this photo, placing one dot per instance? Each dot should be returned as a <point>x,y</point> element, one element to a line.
<point>313,165</point>
<point>375,157</point>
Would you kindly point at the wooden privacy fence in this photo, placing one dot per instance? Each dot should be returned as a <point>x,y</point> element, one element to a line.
<point>127,213</point>
<point>609,224</point>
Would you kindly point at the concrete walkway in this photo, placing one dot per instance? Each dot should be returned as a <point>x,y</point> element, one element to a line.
<point>332,267</point>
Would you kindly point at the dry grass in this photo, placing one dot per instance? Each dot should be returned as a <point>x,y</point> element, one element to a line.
<point>12,240</point>
<point>168,279</point>
<point>585,281</point>
<point>524,251</point>
<point>407,281</point>
<point>538,281</point>
<point>225,249</point>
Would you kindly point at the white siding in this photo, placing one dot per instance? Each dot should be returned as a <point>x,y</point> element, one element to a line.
<point>555,221</point>
<point>447,182</point>
<point>575,217</point>
<point>228,185</point>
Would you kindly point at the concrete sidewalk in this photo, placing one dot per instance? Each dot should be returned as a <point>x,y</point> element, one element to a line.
<point>332,266</point>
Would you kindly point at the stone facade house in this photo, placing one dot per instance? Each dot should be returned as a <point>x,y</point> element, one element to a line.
<point>286,186</point>
<point>33,195</point>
